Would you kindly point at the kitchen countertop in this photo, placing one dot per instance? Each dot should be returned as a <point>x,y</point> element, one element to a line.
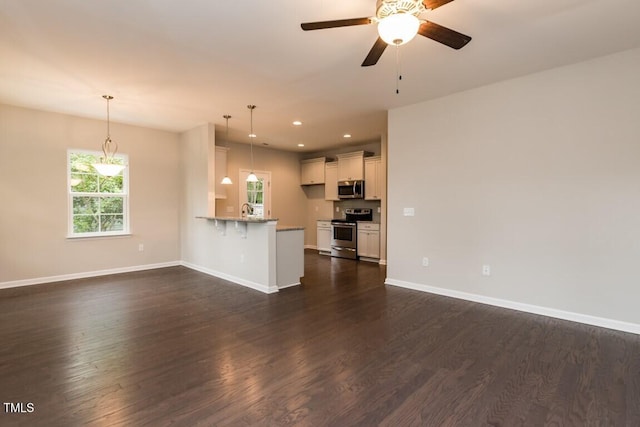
<point>239,219</point>
<point>288,228</point>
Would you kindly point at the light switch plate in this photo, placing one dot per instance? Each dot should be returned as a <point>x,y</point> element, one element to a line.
<point>409,212</point>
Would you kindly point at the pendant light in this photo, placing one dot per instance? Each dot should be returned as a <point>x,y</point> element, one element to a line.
<point>252,176</point>
<point>109,165</point>
<point>226,180</point>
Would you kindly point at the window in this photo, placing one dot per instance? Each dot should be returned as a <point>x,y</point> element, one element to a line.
<point>98,205</point>
<point>257,194</point>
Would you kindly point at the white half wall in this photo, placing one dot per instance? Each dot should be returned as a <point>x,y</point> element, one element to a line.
<point>537,177</point>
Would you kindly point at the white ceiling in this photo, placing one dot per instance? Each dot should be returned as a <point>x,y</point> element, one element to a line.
<point>175,65</point>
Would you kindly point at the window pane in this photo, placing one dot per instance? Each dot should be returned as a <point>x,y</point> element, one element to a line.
<point>111,222</point>
<point>111,184</point>
<point>81,162</point>
<point>84,183</point>
<point>85,223</point>
<point>111,205</point>
<point>85,205</point>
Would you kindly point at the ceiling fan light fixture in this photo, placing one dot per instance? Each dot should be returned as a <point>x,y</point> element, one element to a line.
<point>399,28</point>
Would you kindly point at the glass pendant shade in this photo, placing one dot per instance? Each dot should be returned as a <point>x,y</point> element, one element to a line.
<point>109,165</point>
<point>226,181</point>
<point>252,177</point>
<point>399,28</point>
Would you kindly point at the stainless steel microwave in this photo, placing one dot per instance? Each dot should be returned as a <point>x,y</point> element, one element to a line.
<point>351,189</point>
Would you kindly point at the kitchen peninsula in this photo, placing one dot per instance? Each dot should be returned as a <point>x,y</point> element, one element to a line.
<point>255,252</point>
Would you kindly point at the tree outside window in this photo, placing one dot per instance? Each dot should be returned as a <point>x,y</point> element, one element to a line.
<point>98,205</point>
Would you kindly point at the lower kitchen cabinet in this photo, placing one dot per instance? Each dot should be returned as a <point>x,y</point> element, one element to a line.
<point>324,237</point>
<point>369,240</point>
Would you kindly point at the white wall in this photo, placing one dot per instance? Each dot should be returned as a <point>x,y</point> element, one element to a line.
<point>33,190</point>
<point>538,177</point>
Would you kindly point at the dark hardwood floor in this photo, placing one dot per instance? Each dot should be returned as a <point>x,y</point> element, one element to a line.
<point>175,346</point>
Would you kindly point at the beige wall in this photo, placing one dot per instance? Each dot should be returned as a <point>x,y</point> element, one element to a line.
<point>538,177</point>
<point>288,202</point>
<point>33,190</point>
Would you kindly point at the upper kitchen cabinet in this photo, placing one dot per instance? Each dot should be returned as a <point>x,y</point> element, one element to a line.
<point>351,166</point>
<point>331,181</point>
<point>220,172</point>
<point>374,178</point>
<point>312,171</point>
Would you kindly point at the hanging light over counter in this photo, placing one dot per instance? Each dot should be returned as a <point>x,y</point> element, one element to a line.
<point>252,176</point>
<point>226,180</point>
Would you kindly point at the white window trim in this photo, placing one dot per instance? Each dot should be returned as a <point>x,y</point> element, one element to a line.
<point>126,231</point>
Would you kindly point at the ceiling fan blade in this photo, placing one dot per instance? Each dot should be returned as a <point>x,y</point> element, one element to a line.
<point>434,4</point>
<point>375,53</point>
<point>307,26</point>
<point>443,35</point>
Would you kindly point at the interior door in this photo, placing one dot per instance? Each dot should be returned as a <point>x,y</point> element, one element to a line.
<point>257,194</point>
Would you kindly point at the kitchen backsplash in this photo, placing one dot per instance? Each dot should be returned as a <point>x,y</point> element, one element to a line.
<point>357,203</point>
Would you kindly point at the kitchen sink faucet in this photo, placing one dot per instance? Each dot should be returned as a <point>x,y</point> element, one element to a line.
<point>249,209</point>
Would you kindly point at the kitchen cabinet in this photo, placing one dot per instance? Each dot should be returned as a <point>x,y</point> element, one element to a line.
<point>331,181</point>
<point>312,171</point>
<point>324,237</point>
<point>220,172</point>
<point>369,240</point>
<point>351,166</point>
<point>374,178</point>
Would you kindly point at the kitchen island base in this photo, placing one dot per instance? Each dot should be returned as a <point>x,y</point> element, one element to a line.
<point>251,252</point>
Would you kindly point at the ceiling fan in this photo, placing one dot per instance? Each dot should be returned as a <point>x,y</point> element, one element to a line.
<point>398,22</point>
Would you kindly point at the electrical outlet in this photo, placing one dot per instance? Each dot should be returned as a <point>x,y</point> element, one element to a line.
<point>379,209</point>
<point>425,262</point>
<point>337,208</point>
<point>141,247</point>
<point>486,270</point>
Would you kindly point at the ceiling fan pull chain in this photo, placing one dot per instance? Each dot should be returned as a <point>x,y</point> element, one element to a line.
<point>398,75</point>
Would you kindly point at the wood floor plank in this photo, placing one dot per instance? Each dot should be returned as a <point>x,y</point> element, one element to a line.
<point>173,346</point>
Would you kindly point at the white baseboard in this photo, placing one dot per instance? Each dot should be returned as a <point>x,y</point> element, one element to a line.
<point>314,247</point>
<point>230,278</point>
<point>84,275</point>
<point>528,308</point>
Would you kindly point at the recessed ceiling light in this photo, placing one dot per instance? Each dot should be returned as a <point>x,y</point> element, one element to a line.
<point>347,135</point>
<point>297,123</point>
<point>252,135</point>
<point>300,145</point>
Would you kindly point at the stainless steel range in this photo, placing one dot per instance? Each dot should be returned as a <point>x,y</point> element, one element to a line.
<point>344,232</point>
